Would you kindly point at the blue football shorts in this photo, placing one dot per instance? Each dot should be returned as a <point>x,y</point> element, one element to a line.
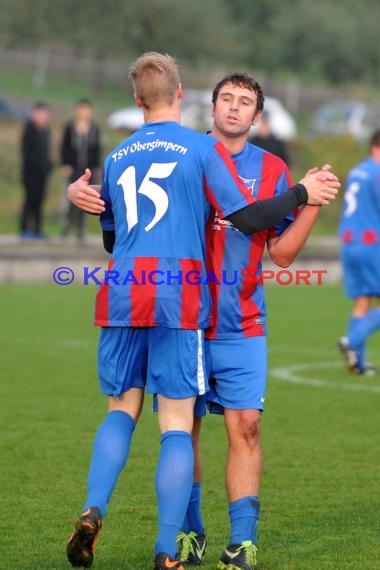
<point>238,374</point>
<point>361,270</point>
<point>169,362</point>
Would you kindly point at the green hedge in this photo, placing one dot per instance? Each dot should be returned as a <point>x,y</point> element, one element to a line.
<point>342,153</point>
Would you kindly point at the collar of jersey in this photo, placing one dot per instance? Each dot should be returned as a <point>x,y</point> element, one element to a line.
<point>239,154</point>
<point>148,125</point>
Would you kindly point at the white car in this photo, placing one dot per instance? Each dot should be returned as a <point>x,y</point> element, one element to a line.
<point>282,123</point>
<point>355,118</point>
<point>196,114</point>
<point>130,118</point>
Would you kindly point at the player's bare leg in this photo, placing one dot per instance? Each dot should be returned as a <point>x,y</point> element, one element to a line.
<point>244,456</point>
<point>110,453</point>
<point>361,306</point>
<point>198,459</point>
<point>131,402</point>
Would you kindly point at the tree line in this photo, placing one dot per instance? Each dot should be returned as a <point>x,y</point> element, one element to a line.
<point>335,42</point>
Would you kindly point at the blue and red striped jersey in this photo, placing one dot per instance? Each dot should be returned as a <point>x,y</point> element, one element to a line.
<point>159,186</point>
<point>360,221</point>
<point>239,308</point>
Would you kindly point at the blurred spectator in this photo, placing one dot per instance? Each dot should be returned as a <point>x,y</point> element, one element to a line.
<point>268,141</point>
<point>36,165</point>
<point>80,149</point>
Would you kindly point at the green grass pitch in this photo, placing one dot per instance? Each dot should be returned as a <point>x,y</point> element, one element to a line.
<point>321,438</point>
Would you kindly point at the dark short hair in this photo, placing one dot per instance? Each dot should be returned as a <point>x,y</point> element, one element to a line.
<point>375,138</point>
<point>41,105</point>
<point>241,79</point>
<point>84,102</point>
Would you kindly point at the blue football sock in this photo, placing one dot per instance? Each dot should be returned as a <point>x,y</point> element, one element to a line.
<point>193,519</point>
<point>352,324</point>
<point>244,519</point>
<point>174,478</point>
<point>368,325</point>
<point>110,453</point>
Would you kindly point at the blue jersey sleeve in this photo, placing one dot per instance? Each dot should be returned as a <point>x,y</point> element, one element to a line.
<point>107,221</point>
<point>223,186</point>
<point>376,191</point>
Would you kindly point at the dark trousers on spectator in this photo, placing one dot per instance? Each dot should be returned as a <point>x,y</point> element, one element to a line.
<point>35,191</point>
<point>74,218</point>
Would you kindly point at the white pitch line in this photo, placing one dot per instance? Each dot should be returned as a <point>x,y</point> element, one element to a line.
<point>292,374</point>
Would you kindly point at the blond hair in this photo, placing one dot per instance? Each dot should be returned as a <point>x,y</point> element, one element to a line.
<point>155,78</point>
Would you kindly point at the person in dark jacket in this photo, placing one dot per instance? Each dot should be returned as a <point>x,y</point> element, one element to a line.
<point>80,149</point>
<point>267,140</point>
<point>36,165</point>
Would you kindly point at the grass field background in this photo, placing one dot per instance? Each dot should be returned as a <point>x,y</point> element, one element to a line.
<point>321,437</point>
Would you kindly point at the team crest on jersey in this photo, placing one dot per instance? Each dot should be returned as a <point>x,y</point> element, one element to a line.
<point>218,223</point>
<point>248,182</point>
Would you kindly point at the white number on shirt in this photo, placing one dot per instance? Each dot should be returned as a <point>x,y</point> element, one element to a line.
<point>149,189</point>
<point>350,197</point>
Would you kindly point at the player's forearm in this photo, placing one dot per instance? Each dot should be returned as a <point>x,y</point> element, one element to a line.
<point>285,249</point>
<point>267,213</point>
